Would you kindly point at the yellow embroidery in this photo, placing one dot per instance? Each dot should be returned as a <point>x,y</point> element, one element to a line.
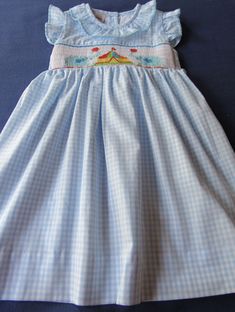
<point>95,58</point>
<point>112,57</point>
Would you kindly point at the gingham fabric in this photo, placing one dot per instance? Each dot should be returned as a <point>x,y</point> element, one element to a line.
<point>117,181</point>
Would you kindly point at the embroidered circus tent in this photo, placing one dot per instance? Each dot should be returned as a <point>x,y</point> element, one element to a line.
<point>112,57</point>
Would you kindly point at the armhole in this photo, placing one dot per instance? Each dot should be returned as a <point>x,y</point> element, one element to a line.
<point>55,24</point>
<point>172,26</point>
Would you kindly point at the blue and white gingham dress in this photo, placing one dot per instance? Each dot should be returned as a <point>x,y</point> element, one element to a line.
<point>117,182</point>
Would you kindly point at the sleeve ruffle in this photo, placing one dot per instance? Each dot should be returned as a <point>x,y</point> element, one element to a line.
<point>55,24</point>
<point>172,26</point>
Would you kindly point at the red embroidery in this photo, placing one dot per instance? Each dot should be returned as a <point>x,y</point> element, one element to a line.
<point>113,56</point>
<point>95,49</point>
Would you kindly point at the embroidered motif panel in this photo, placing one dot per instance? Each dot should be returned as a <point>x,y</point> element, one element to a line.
<point>161,56</point>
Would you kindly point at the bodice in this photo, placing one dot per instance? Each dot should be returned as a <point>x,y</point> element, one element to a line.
<point>83,36</point>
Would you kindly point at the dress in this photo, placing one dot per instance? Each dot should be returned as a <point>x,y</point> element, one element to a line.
<point>117,181</point>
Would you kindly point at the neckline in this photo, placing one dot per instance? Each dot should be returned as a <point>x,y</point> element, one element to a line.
<point>140,20</point>
<point>135,13</point>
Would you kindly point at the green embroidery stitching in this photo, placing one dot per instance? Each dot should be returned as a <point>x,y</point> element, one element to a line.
<point>96,58</point>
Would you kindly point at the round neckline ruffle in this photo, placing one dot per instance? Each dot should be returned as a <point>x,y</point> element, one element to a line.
<point>140,19</point>
<point>104,25</point>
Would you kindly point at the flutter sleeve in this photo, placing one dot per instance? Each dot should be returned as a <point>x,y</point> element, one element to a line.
<point>172,26</point>
<point>55,24</point>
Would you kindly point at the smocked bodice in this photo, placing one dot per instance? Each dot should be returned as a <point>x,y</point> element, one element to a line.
<point>83,36</point>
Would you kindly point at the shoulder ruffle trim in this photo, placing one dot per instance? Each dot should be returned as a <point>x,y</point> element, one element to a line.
<point>172,26</point>
<point>55,24</point>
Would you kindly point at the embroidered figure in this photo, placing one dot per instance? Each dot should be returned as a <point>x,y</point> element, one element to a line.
<point>150,60</point>
<point>133,50</point>
<point>78,61</point>
<point>73,61</point>
<point>112,57</point>
<point>96,57</point>
<point>147,60</point>
<point>95,49</point>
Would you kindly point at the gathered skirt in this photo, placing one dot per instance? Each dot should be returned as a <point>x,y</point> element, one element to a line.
<point>117,185</point>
